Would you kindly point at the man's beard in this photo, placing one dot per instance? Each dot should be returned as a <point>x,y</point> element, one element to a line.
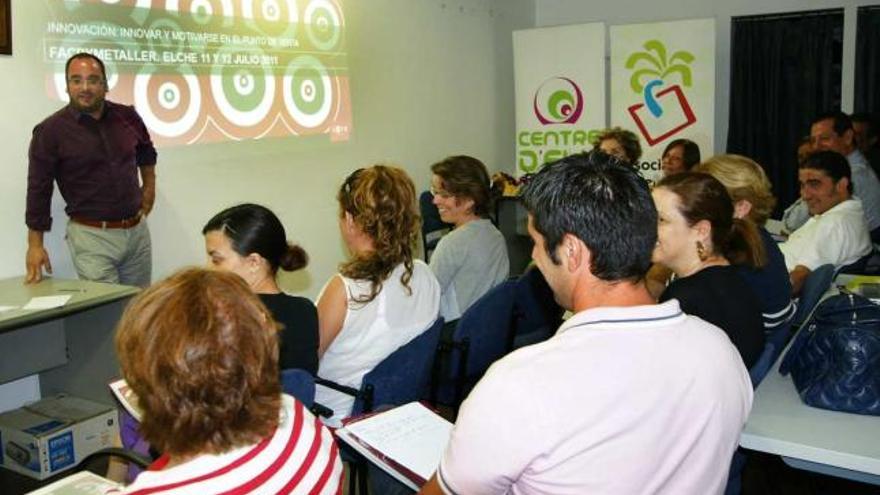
<point>97,104</point>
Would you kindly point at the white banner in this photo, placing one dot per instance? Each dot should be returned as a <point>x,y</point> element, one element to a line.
<point>663,85</point>
<point>559,74</point>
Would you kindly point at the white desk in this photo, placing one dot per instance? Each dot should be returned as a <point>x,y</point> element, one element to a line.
<point>71,347</point>
<point>827,442</point>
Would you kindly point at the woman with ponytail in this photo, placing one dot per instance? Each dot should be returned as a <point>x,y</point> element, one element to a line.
<point>753,200</point>
<point>382,297</point>
<point>250,241</point>
<point>699,239</point>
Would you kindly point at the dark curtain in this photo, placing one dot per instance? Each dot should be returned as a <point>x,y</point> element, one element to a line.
<point>867,97</point>
<point>784,70</point>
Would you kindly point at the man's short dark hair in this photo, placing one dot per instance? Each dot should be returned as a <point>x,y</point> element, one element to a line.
<point>85,55</point>
<point>832,163</point>
<point>608,207</point>
<point>841,121</point>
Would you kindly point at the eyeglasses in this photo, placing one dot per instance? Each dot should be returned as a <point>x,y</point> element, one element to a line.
<point>89,81</point>
<point>440,192</point>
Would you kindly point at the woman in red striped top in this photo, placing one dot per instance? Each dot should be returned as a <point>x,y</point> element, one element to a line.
<point>201,353</point>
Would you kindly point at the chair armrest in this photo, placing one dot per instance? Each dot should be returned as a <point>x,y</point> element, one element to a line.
<point>337,387</point>
<point>321,410</point>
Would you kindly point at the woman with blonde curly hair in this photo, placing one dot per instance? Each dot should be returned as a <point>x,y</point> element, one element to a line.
<point>382,297</point>
<point>753,200</point>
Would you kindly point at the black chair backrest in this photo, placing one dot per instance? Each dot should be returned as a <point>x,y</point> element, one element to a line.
<point>403,376</point>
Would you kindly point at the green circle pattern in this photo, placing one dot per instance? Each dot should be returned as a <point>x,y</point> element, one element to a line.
<point>241,101</point>
<point>556,101</point>
<point>323,36</point>
<point>300,76</point>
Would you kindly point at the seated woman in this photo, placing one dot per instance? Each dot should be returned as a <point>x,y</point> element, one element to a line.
<point>621,144</point>
<point>753,200</point>
<point>381,298</point>
<point>200,351</point>
<point>679,156</point>
<point>250,241</point>
<point>698,238</point>
<point>472,258</point>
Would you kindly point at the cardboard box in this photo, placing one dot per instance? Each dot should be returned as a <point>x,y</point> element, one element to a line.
<point>54,434</point>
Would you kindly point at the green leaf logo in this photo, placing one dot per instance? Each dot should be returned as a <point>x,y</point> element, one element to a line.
<point>654,64</point>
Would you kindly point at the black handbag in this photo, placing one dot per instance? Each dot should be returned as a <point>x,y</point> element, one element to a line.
<point>834,360</point>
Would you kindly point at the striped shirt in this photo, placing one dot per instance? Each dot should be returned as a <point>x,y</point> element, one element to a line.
<point>301,457</point>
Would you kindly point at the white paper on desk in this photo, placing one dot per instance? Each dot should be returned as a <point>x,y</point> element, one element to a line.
<point>47,302</point>
<point>4,309</point>
<point>82,483</point>
<point>412,435</point>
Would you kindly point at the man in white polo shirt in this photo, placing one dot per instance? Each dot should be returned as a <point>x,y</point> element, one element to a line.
<point>837,232</point>
<point>629,396</point>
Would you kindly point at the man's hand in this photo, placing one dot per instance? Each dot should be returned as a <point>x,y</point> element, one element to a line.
<point>148,189</point>
<point>37,259</point>
<point>798,276</point>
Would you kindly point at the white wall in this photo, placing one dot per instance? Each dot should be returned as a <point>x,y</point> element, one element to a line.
<point>558,12</point>
<point>429,78</point>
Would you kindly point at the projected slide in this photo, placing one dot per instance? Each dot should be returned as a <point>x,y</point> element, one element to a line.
<point>201,71</point>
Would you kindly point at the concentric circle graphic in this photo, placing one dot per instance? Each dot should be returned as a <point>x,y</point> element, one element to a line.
<point>169,95</point>
<point>244,95</point>
<point>323,22</point>
<point>169,103</point>
<point>558,101</point>
<point>307,90</point>
<point>277,18</point>
<point>202,10</point>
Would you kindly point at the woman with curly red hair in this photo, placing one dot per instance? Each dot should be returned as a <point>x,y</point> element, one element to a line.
<point>382,297</point>
<point>200,351</point>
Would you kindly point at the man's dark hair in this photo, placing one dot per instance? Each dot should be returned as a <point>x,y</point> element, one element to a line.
<point>832,163</point>
<point>690,152</point>
<point>842,122</point>
<point>85,55</point>
<point>608,207</point>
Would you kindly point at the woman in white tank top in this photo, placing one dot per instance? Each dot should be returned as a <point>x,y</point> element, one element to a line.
<point>381,298</point>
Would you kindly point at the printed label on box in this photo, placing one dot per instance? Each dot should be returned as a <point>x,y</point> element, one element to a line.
<point>44,427</point>
<point>61,451</point>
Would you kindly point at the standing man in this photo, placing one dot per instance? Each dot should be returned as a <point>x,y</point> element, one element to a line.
<point>629,396</point>
<point>94,149</point>
<point>833,131</point>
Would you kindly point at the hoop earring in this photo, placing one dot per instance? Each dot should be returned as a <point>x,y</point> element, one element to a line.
<point>701,251</point>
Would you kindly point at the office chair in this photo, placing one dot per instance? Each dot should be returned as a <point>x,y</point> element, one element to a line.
<point>536,313</point>
<point>402,377</point>
<point>300,383</point>
<point>483,335</point>
<point>433,228</point>
<point>818,281</point>
<point>757,373</point>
